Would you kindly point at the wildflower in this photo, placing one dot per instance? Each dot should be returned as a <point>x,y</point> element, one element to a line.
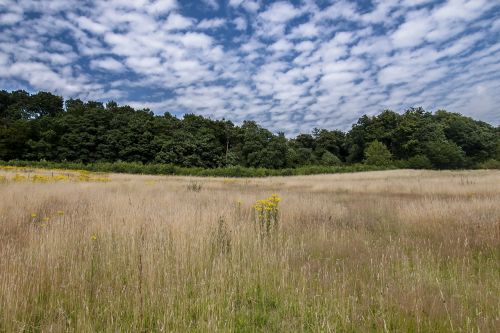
<point>33,215</point>
<point>46,219</point>
<point>40,178</point>
<point>267,213</point>
<point>101,179</point>
<point>60,178</point>
<point>93,237</point>
<point>19,178</point>
<point>60,213</point>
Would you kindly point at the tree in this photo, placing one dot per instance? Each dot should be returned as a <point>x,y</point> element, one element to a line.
<point>45,104</point>
<point>419,162</point>
<point>445,154</point>
<point>377,154</point>
<point>36,126</point>
<point>477,139</point>
<point>329,159</point>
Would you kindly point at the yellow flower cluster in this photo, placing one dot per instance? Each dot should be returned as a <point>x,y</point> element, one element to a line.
<point>267,213</point>
<point>9,168</point>
<point>19,178</point>
<point>41,178</point>
<point>267,205</point>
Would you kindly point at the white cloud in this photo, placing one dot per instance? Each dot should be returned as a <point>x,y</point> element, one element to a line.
<point>109,64</point>
<point>240,23</point>
<point>89,25</point>
<point>211,23</point>
<point>413,31</point>
<point>249,5</point>
<point>160,7</point>
<point>177,22</point>
<point>10,18</point>
<point>195,40</point>
<point>305,30</point>
<point>280,12</point>
<point>281,45</point>
<point>211,3</point>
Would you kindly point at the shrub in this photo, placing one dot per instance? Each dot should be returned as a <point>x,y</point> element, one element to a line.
<point>490,164</point>
<point>329,159</point>
<point>377,154</point>
<point>419,162</point>
<point>445,154</point>
<point>170,169</point>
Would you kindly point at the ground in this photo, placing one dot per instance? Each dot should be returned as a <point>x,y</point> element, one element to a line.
<point>376,251</point>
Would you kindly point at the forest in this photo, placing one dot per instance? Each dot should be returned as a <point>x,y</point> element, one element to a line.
<point>44,127</point>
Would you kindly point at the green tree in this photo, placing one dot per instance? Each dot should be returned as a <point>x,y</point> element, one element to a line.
<point>419,162</point>
<point>445,154</point>
<point>329,159</point>
<point>377,154</point>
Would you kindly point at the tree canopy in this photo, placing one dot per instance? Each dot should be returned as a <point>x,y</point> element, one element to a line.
<point>43,126</point>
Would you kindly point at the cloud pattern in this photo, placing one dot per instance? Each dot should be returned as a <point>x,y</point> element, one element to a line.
<point>290,65</point>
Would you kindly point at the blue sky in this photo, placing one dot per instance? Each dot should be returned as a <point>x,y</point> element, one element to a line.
<point>289,65</point>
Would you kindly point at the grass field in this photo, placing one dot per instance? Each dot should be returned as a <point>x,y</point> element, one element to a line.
<point>405,251</point>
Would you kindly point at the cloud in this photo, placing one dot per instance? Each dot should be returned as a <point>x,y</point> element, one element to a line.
<point>10,18</point>
<point>305,30</point>
<point>240,23</point>
<point>160,7</point>
<point>109,64</point>
<point>211,3</point>
<point>211,23</point>
<point>177,22</point>
<point>279,12</point>
<point>249,5</point>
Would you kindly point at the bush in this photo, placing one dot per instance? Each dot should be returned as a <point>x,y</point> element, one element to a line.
<point>490,164</point>
<point>329,159</point>
<point>419,162</point>
<point>169,169</point>
<point>445,154</point>
<point>377,154</point>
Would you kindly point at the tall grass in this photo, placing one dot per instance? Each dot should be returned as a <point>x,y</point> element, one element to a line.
<point>379,251</point>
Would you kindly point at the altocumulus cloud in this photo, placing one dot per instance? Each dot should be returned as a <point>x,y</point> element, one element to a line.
<point>290,65</point>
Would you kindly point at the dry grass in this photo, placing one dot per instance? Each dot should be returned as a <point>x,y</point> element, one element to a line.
<point>381,251</point>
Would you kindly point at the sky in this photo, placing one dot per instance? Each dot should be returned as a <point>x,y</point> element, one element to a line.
<point>289,65</point>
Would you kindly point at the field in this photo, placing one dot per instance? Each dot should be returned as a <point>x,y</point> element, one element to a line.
<point>407,251</point>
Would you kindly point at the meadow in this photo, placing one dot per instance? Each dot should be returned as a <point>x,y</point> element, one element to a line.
<point>382,251</point>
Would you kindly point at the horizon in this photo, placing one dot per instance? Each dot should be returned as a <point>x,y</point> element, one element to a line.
<point>290,66</point>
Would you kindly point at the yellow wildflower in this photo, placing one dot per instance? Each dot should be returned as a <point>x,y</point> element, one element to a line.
<point>267,212</point>
<point>19,178</point>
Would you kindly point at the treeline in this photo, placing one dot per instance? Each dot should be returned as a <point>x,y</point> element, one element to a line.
<point>44,127</point>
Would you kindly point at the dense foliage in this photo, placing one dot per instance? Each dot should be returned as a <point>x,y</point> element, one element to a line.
<point>42,127</point>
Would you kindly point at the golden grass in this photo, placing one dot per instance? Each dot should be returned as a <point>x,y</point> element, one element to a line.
<point>379,251</point>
